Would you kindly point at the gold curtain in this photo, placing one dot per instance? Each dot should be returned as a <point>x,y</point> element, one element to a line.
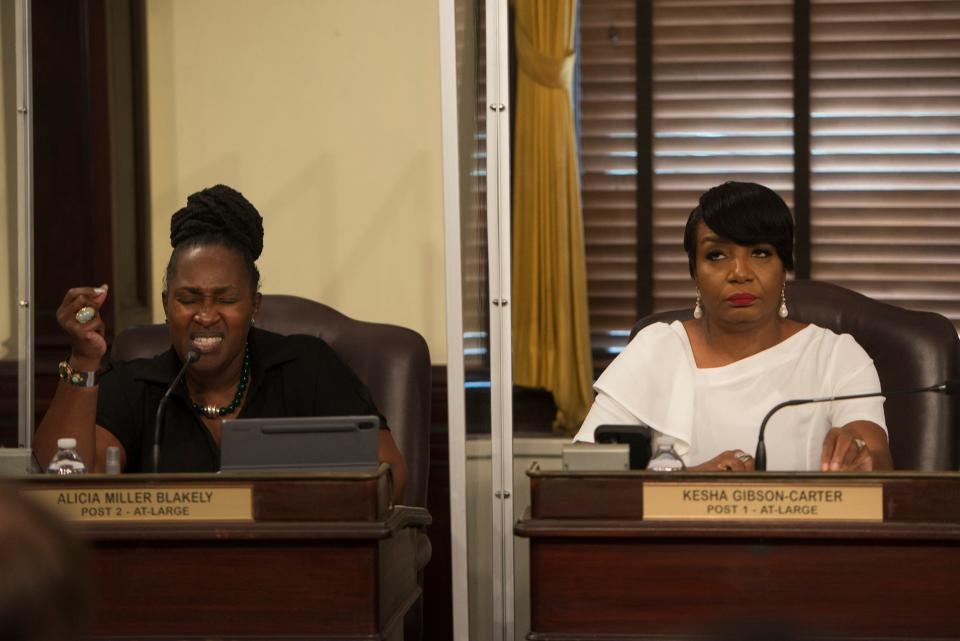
<point>551,336</point>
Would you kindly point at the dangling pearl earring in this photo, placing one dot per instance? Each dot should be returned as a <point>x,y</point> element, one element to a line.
<point>253,321</point>
<point>783,312</point>
<point>697,310</point>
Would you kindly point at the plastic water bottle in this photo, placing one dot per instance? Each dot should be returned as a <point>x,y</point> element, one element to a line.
<point>665,458</point>
<point>66,460</point>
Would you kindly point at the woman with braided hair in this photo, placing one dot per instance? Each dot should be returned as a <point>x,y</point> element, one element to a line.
<point>211,298</point>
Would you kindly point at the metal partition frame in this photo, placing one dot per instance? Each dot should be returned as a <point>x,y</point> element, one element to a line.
<point>501,335</point>
<point>24,223</point>
<point>456,403</point>
<point>498,239</point>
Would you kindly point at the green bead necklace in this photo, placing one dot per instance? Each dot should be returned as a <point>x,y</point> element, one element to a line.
<point>211,411</point>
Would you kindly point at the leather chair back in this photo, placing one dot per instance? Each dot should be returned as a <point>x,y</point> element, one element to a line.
<point>909,348</point>
<point>393,362</point>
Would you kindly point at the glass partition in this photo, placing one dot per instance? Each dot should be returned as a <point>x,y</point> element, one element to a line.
<point>483,231</point>
<point>472,108</point>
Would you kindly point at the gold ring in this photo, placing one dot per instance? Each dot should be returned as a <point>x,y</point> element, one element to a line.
<point>860,443</point>
<point>85,314</point>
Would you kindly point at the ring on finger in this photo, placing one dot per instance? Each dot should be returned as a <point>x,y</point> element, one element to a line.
<point>85,314</point>
<point>860,443</point>
<point>742,456</point>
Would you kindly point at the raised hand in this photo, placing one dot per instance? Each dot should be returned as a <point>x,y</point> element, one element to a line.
<point>79,316</point>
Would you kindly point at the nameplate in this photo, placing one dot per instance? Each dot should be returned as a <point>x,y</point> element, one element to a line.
<point>179,503</point>
<point>756,502</point>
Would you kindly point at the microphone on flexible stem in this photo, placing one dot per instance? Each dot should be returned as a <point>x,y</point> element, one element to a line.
<point>760,459</point>
<point>192,357</point>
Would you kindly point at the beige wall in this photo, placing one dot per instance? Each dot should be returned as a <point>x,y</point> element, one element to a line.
<point>8,184</point>
<point>326,115</point>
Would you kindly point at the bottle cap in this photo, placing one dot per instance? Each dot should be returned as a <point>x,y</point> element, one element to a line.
<point>66,443</point>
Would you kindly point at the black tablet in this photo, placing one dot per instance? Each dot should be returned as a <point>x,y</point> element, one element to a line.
<point>301,444</point>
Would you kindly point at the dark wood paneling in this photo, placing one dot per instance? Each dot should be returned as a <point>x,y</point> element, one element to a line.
<point>141,147</point>
<point>347,500</point>
<point>909,497</point>
<point>9,405</point>
<point>437,580</point>
<point>295,571</point>
<point>73,189</point>
<point>237,588</point>
<point>71,159</point>
<point>71,170</point>
<point>599,570</point>
<point>438,395</point>
<point>662,586</point>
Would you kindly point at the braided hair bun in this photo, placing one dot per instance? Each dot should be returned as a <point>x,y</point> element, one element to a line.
<point>218,215</point>
<point>219,211</point>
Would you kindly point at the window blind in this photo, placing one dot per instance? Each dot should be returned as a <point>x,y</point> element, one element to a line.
<point>884,93</point>
<point>722,109</point>
<point>472,80</point>
<point>608,155</point>
<point>885,150</point>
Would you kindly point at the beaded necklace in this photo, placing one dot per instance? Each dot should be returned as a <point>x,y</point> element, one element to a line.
<point>212,411</point>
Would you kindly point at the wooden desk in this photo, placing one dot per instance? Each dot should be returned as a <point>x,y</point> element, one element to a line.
<point>598,569</point>
<point>325,556</point>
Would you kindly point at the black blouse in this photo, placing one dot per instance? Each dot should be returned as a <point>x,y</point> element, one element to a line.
<point>291,376</point>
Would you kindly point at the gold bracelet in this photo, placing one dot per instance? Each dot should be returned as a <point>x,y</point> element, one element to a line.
<point>74,377</point>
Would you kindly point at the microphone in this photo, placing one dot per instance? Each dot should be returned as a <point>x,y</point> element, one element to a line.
<point>760,459</point>
<point>192,357</point>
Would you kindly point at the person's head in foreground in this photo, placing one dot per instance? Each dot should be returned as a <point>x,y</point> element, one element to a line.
<point>43,574</point>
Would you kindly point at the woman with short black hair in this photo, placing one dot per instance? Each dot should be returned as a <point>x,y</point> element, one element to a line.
<point>706,383</point>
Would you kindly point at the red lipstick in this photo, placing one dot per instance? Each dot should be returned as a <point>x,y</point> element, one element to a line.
<point>741,300</point>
